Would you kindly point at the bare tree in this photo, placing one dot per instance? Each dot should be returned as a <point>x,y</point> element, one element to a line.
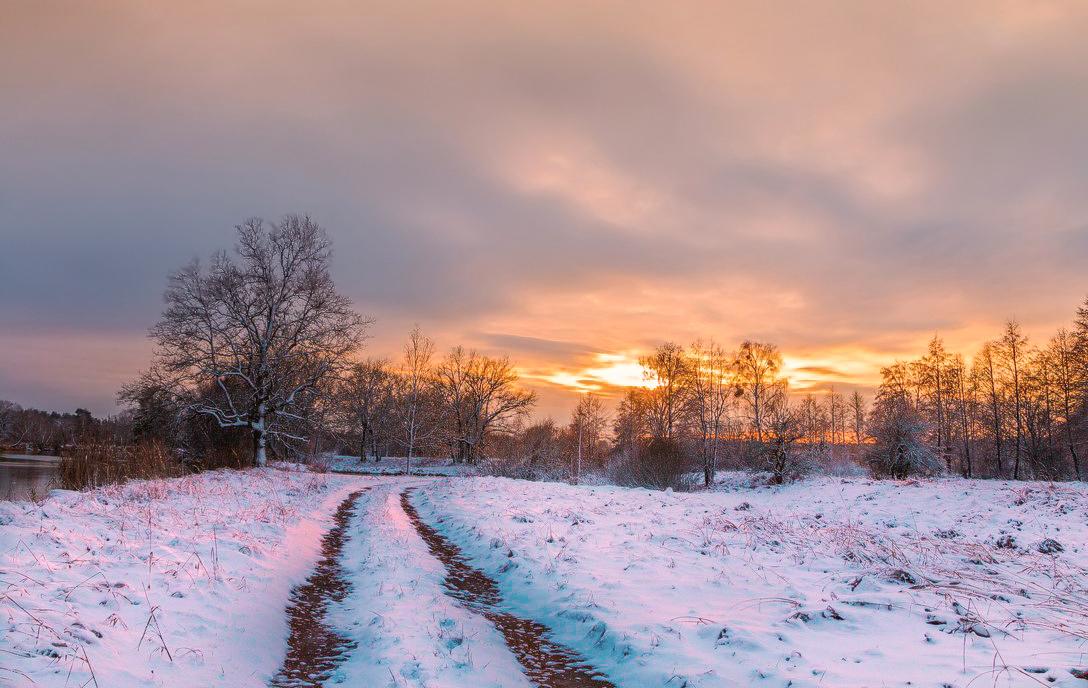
<point>265,329</point>
<point>1013,348</point>
<point>587,422</point>
<point>667,369</point>
<point>364,400</point>
<point>630,425</point>
<point>480,395</point>
<point>757,366</point>
<point>710,393</point>
<point>784,427</point>
<point>964,398</point>
<point>931,375</point>
<point>1062,353</point>
<point>857,410</point>
<point>986,376</point>
<point>416,379</point>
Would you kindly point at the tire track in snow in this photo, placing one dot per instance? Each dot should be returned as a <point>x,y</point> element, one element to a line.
<point>546,662</point>
<point>314,649</point>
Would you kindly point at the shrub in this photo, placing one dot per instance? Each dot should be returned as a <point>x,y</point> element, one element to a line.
<point>658,464</point>
<point>899,447</point>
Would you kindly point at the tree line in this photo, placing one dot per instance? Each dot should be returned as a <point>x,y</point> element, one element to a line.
<point>705,406</point>
<point>257,355</point>
<point>1016,409</point>
<point>33,431</point>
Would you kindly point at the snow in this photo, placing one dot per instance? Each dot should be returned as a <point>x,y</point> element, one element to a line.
<point>159,583</point>
<point>828,582</point>
<point>408,632</point>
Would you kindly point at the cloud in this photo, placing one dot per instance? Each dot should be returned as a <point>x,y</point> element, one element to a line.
<point>558,180</point>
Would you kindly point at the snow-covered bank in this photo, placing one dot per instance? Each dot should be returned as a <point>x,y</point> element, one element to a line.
<point>160,583</point>
<point>408,631</point>
<point>832,582</point>
<point>395,465</point>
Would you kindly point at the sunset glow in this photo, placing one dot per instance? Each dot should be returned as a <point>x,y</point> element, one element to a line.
<point>611,371</point>
<point>571,189</point>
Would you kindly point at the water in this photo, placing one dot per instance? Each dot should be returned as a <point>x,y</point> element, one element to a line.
<point>23,477</point>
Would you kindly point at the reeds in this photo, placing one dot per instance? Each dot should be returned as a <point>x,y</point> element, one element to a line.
<point>94,464</point>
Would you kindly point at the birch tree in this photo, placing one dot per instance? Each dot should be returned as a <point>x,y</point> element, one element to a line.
<point>253,339</point>
<point>710,393</point>
<point>757,366</point>
<point>416,378</point>
<point>587,422</point>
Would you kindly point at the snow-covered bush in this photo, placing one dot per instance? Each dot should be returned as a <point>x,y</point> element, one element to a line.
<point>899,448</point>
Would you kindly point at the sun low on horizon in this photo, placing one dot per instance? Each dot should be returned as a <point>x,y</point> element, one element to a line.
<point>570,186</point>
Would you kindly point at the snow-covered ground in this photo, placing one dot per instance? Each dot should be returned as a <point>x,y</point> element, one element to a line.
<point>408,632</point>
<point>161,583</point>
<point>827,582</point>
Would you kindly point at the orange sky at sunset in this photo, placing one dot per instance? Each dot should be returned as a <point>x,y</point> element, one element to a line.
<point>568,183</point>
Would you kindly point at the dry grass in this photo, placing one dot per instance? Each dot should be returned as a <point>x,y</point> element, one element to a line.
<point>981,585</point>
<point>96,464</point>
<point>148,539</point>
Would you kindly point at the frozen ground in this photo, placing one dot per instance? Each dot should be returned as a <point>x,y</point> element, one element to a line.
<point>830,582</point>
<point>162,583</point>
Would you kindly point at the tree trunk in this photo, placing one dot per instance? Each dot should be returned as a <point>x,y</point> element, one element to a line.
<point>578,459</point>
<point>260,455</point>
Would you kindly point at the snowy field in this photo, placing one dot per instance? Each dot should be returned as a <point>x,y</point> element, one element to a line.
<point>161,583</point>
<point>829,582</point>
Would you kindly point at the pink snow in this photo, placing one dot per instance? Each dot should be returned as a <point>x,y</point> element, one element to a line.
<point>159,583</point>
<point>827,582</point>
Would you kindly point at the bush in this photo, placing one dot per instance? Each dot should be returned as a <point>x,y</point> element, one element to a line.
<point>658,464</point>
<point>899,447</point>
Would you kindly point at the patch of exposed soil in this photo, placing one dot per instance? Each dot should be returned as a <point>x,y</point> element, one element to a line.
<point>314,649</point>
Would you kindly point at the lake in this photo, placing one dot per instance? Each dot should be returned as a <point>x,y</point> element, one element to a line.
<point>22,475</point>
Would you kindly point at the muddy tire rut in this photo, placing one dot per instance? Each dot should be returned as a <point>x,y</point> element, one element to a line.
<point>315,649</point>
<point>547,663</point>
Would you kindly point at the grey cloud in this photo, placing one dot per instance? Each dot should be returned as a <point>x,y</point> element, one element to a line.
<point>137,138</point>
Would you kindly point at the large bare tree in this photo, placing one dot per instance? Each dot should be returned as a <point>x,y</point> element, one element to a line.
<point>251,339</point>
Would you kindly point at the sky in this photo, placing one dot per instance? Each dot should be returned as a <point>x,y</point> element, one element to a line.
<point>568,183</point>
